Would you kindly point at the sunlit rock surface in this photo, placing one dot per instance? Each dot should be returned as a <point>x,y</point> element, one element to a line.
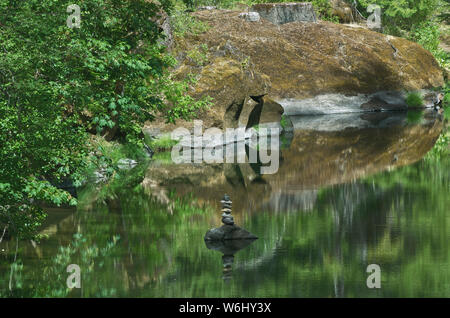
<point>304,59</point>
<point>237,62</point>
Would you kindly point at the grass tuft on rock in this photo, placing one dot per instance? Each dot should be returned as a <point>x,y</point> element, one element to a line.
<point>414,99</point>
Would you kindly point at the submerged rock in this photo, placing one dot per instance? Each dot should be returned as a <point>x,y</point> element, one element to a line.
<point>229,232</point>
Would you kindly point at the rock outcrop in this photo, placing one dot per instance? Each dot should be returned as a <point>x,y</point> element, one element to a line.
<point>304,59</point>
<point>244,61</point>
<point>281,13</point>
<point>266,111</point>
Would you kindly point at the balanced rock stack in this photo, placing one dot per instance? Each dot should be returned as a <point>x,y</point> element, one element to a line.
<point>227,218</point>
<point>229,230</point>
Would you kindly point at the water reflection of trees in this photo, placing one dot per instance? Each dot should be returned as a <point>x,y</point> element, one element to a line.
<point>397,219</point>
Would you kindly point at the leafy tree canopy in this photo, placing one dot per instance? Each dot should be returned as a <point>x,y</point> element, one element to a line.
<point>57,83</point>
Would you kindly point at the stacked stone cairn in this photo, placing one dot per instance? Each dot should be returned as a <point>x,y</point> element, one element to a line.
<point>227,218</point>
<point>229,230</point>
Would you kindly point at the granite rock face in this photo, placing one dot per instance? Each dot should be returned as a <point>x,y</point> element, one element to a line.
<point>281,13</point>
<point>266,111</point>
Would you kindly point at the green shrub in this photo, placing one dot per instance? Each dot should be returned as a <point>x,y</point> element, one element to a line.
<point>324,10</point>
<point>163,143</point>
<point>414,99</point>
<point>427,34</point>
<point>182,23</point>
<point>108,76</point>
<point>401,15</point>
<point>199,55</point>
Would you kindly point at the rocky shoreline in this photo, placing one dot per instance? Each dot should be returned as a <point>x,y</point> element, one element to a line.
<point>253,66</point>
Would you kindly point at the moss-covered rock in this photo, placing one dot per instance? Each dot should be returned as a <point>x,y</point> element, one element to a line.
<point>303,59</point>
<point>236,62</point>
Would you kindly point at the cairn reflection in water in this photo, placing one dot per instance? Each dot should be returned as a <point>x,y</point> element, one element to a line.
<point>228,239</point>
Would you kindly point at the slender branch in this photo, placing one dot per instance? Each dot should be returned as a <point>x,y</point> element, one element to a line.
<point>15,257</point>
<point>4,231</point>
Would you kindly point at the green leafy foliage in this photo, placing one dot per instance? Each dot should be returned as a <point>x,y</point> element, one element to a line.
<point>183,23</point>
<point>53,274</point>
<point>163,143</point>
<point>324,10</point>
<point>401,15</point>
<point>428,35</point>
<point>414,99</point>
<point>57,83</point>
<point>417,20</point>
<point>198,55</point>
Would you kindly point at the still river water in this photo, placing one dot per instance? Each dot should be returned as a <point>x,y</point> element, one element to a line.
<point>362,191</point>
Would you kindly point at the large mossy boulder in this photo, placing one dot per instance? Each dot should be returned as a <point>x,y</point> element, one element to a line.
<point>304,59</point>
<point>238,62</point>
<point>230,84</point>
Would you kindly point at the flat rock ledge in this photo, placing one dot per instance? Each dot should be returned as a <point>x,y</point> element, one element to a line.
<point>229,232</point>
